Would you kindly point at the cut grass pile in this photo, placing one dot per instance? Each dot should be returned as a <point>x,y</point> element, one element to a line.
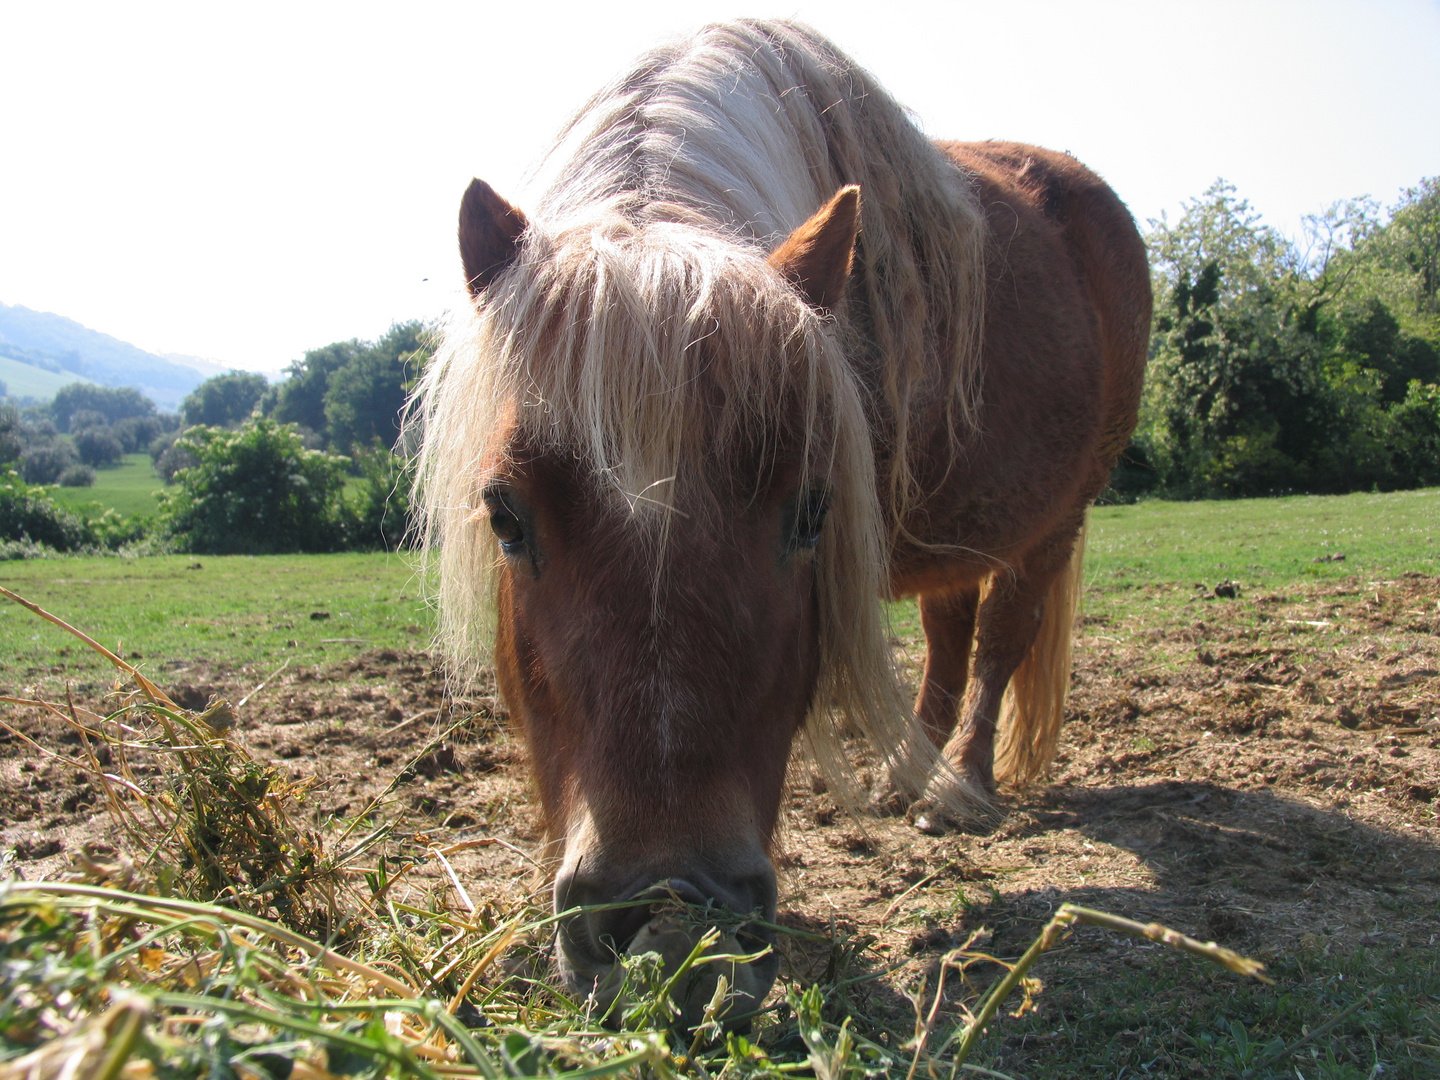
<point>128,488</point>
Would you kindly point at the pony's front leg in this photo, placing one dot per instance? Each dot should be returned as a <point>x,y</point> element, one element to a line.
<point>949,623</point>
<point>1010,618</point>
<point>948,619</point>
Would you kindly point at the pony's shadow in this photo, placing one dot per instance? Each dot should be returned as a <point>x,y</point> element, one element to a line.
<point>1236,866</point>
<point>1253,870</point>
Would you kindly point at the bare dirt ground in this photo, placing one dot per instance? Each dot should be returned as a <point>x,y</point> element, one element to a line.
<point>1262,771</point>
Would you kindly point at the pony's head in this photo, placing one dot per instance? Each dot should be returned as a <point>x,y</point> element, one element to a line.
<point>646,458</point>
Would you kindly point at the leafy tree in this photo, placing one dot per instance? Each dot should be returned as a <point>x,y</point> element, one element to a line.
<point>81,419</point>
<point>111,402</point>
<point>137,432</point>
<point>224,400</point>
<point>300,399</point>
<point>98,446</point>
<point>1413,436</point>
<point>365,397</point>
<point>12,443</point>
<point>1372,337</point>
<point>256,490</point>
<point>1395,261</point>
<point>1415,228</point>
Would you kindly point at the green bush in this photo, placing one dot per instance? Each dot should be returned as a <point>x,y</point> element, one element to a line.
<point>382,511</point>
<point>1412,435</point>
<point>28,514</point>
<point>98,446</point>
<point>78,476</point>
<point>256,491</point>
<point>46,462</point>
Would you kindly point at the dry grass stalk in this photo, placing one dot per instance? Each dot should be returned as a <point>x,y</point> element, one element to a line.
<point>207,818</point>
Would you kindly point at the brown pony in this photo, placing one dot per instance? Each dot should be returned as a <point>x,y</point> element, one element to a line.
<point>693,430</point>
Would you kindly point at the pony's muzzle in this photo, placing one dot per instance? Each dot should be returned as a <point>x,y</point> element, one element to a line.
<point>602,951</point>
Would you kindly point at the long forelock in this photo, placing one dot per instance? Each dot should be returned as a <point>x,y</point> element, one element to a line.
<point>657,355</point>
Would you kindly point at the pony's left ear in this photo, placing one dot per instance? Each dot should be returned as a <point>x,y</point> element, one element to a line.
<point>816,257</point>
<point>490,231</point>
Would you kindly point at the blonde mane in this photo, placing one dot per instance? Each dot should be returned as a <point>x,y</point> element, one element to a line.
<point>751,126</point>
<point>642,331</point>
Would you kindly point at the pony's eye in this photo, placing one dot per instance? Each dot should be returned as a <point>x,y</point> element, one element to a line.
<point>810,510</point>
<point>504,524</point>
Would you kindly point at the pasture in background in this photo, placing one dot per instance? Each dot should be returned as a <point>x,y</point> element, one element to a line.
<point>127,488</point>
<point>247,610</point>
<point>232,611</point>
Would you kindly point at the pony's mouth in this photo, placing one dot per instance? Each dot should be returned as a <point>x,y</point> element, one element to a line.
<point>715,966</point>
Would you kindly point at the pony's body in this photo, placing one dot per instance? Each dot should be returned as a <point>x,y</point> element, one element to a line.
<point>677,368</point>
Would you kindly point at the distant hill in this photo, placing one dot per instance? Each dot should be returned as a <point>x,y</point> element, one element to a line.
<point>69,351</point>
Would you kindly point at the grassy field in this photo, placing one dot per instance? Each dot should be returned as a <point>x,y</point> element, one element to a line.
<point>235,610</point>
<point>26,380</point>
<point>1257,543</point>
<point>127,488</point>
<point>242,610</point>
<point>1264,542</point>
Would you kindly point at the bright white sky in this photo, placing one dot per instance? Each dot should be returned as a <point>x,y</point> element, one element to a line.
<point>243,182</point>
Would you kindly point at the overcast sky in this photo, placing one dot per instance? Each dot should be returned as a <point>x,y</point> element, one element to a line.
<point>243,182</point>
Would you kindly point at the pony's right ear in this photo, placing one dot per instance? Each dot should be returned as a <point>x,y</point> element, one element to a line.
<point>816,257</point>
<point>490,231</point>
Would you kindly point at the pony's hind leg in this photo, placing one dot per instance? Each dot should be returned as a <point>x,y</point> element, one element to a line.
<point>949,623</point>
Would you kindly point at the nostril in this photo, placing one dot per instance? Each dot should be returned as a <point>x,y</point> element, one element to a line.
<point>758,893</point>
<point>619,928</point>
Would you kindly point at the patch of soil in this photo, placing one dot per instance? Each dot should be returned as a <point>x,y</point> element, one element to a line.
<point>1262,770</point>
<point>381,732</point>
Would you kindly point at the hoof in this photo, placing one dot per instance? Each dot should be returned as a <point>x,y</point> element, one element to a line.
<point>954,799</point>
<point>931,821</point>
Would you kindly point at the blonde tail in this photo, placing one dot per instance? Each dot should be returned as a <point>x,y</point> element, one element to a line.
<point>1034,705</point>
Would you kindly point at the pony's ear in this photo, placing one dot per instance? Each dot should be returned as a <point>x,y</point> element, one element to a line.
<point>490,231</point>
<point>816,256</point>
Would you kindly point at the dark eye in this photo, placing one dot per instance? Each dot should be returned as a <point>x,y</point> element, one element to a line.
<point>810,510</point>
<point>504,523</point>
